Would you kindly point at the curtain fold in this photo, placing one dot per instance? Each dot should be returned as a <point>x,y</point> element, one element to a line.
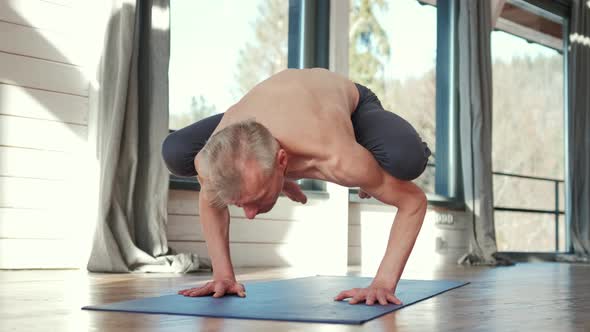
<point>132,104</point>
<point>579,129</point>
<point>475,117</point>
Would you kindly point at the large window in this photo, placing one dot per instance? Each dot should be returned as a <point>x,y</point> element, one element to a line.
<point>220,50</point>
<point>528,131</point>
<point>393,52</point>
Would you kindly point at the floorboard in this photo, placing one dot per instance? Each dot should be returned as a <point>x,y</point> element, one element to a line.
<point>528,296</point>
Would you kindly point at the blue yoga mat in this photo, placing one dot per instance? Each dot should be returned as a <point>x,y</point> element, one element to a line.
<point>307,299</point>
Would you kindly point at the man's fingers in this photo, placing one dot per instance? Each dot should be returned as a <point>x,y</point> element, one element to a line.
<point>219,290</point>
<point>185,291</point>
<point>341,296</point>
<point>382,298</point>
<point>359,297</point>
<point>200,291</point>
<point>344,295</point>
<point>391,298</point>
<point>188,290</point>
<point>370,298</point>
<point>239,290</point>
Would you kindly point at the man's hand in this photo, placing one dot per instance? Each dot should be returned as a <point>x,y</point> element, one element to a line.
<point>370,295</point>
<point>292,190</point>
<point>216,287</point>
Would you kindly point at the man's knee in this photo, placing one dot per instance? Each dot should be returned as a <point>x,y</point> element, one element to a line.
<point>407,161</point>
<point>177,157</point>
<point>180,147</point>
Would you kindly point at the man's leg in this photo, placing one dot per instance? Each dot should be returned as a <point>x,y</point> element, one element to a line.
<point>392,140</point>
<point>180,147</point>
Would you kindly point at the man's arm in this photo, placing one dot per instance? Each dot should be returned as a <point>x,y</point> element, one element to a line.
<point>215,225</point>
<point>411,204</point>
<point>410,200</point>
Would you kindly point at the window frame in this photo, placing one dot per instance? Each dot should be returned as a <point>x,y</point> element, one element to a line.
<point>448,183</point>
<point>448,186</point>
<point>556,11</point>
<point>308,46</point>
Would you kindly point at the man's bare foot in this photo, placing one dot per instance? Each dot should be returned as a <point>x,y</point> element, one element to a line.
<point>363,194</point>
<point>292,190</point>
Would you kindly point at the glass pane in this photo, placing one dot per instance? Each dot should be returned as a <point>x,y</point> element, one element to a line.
<point>220,50</point>
<point>530,232</point>
<point>393,52</point>
<point>527,107</point>
<point>527,128</point>
<point>522,193</point>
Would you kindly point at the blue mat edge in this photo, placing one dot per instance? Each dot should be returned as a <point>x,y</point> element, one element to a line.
<point>461,284</point>
<point>357,322</point>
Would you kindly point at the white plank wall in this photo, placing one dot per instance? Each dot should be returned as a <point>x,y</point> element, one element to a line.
<point>43,134</point>
<point>42,74</point>
<point>43,105</point>
<point>46,15</point>
<point>292,234</point>
<point>45,44</point>
<point>442,239</point>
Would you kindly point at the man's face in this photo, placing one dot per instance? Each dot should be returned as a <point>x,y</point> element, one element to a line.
<point>259,192</point>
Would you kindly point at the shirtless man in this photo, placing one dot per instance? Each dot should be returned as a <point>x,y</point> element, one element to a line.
<point>302,123</point>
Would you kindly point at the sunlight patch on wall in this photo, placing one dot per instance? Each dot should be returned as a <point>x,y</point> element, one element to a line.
<point>160,18</point>
<point>576,38</point>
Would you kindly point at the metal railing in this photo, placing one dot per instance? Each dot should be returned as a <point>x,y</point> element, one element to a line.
<point>555,211</point>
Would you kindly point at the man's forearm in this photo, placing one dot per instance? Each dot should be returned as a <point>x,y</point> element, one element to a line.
<point>215,226</point>
<point>406,226</point>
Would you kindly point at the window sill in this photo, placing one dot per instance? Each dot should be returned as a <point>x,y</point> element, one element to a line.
<point>181,183</point>
<point>316,194</point>
<point>433,199</point>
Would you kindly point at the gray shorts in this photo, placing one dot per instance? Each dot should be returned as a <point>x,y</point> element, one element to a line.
<point>394,143</point>
<point>392,140</point>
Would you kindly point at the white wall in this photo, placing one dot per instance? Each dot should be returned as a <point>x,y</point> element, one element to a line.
<point>46,169</point>
<point>442,239</point>
<point>309,237</point>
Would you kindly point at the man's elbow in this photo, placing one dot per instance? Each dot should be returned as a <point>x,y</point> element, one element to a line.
<point>415,202</point>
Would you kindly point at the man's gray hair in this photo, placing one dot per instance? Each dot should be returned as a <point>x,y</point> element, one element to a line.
<point>222,159</point>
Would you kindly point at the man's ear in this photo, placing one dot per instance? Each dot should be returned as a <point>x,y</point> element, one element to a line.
<point>282,159</point>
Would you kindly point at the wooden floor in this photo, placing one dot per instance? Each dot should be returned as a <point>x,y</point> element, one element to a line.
<point>525,297</point>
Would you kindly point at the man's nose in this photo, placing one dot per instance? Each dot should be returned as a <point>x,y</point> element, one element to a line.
<point>250,212</point>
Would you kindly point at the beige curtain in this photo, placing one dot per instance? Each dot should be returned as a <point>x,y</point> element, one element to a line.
<point>132,105</point>
<point>475,117</point>
<point>579,128</point>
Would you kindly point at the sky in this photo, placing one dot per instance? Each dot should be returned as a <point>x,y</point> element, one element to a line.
<point>206,37</point>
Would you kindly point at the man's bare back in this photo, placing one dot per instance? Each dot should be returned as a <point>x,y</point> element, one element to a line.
<point>308,111</point>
